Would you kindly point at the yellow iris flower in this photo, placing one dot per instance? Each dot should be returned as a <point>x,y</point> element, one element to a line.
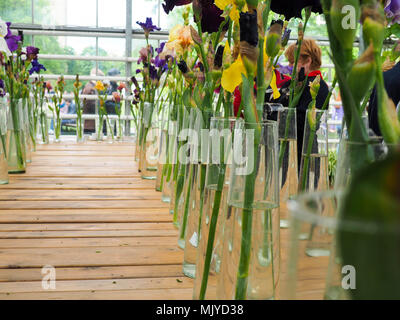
<point>99,86</point>
<point>232,76</point>
<point>234,12</point>
<point>180,39</point>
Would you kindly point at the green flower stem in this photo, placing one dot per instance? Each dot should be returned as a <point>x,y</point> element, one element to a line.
<point>303,182</point>
<point>43,126</point>
<point>187,202</point>
<point>247,226</point>
<point>178,190</point>
<point>17,131</point>
<point>203,171</point>
<point>213,228</point>
<point>3,141</point>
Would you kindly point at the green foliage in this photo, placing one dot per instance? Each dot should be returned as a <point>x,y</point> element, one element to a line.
<point>332,163</point>
<point>374,250</point>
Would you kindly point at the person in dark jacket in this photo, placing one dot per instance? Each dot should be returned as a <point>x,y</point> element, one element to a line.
<point>392,85</point>
<point>310,61</point>
<point>89,107</point>
<point>113,87</point>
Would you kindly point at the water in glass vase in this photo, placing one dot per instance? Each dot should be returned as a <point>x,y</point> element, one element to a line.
<point>264,266</point>
<point>288,177</point>
<point>317,174</point>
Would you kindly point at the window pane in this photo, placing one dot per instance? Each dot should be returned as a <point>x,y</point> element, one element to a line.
<point>143,9</point>
<point>168,21</point>
<point>65,12</point>
<point>16,11</point>
<point>112,14</point>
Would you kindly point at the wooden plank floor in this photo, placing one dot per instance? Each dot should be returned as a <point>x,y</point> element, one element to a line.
<point>84,210</point>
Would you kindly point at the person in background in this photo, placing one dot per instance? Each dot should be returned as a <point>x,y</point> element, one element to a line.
<point>69,108</point>
<point>110,105</point>
<point>392,85</point>
<point>310,61</point>
<point>89,107</point>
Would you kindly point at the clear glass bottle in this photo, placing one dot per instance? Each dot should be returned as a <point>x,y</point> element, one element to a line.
<point>315,155</point>
<point>288,155</point>
<point>251,250</point>
<point>16,156</point>
<point>210,232</point>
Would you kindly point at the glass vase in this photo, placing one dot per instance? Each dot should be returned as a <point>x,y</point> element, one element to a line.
<point>3,124</point>
<point>188,156</point>
<point>110,130</point>
<point>43,129</point>
<point>149,154</point>
<point>99,123</point>
<point>199,157</point>
<point>210,232</point>
<point>304,275</point>
<point>162,155</point>
<point>57,125</point>
<point>251,250</point>
<point>26,131</point>
<point>120,129</point>
<point>3,142</point>
<point>16,156</point>
<point>148,117</point>
<point>356,154</point>
<point>80,132</point>
<point>315,155</point>
<point>288,155</point>
<point>182,165</point>
<point>170,160</point>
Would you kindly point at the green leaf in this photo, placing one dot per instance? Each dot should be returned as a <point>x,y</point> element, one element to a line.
<point>374,199</point>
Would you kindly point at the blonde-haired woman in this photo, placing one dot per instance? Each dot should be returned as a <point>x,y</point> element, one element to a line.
<point>309,63</point>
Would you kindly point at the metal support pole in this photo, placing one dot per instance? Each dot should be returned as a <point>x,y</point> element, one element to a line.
<point>128,65</point>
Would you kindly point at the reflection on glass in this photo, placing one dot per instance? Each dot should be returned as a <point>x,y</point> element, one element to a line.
<point>16,11</point>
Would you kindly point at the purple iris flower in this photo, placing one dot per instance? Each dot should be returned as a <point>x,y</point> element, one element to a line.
<point>153,73</point>
<point>285,69</point>
<point>148,26</point>
<point>36,67</point>
<point>32,52</point>
<point>211,15</point>
<point>12,41</point>
<point>161,48</point>
<point>392,10</point>
<point>2,88</point>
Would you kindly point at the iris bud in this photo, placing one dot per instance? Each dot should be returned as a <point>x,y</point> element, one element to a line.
<point>373,19</point>
<point>344,17</point>
<point>362,75</point>
<point>274,38</point>
<point>315,86</point>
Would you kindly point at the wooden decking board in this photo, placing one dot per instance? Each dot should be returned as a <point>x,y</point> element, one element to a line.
<point>85,210</point>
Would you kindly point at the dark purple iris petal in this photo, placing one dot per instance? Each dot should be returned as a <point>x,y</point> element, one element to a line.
<point>153,73</point>
<point>249,28</point>
<point>148,26</point>
<point>32,52</point>
<point>2,88</point>
<point>211,17</point>
<point>36,67</point>
<point>170,4</point>
<point>12,41</point>
<point>292,9</point>
<point>161,48</point>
